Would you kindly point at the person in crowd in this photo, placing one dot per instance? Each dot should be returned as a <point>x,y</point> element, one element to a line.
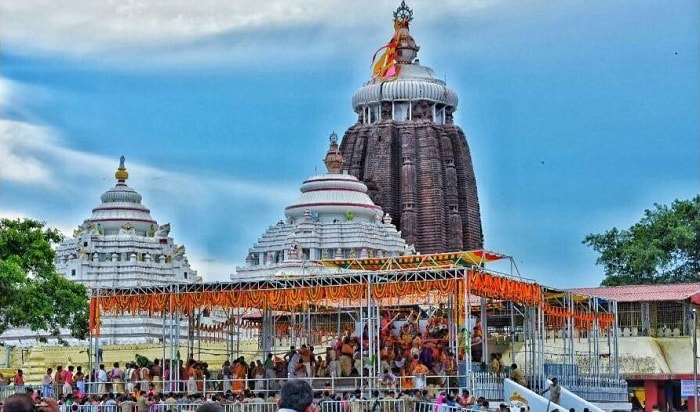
<point>79,380</point>
<point>191,377</point>
<point>419,373</point>
<point>156,373</point>
<point>21,402</point>
<point>387,380</point>
<point>517,376</point>
<point>68,381</point>
<point>554,391</point>
<point>58,380</point>
<point>47,384</point>
<point>240,371</point>
<point>296,396</point>
<point>116,376</point>
<point>259,376</point>
<point>226,376</point>
<point>145,378</point>
<point>493,364</point>
<point>101,380</point>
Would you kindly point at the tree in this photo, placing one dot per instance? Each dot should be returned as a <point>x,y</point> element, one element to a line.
<point>663,247</point>
<point>32,293</point>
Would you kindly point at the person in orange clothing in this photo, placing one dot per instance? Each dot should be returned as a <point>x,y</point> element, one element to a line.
<point>405,381</point>
<point>240,371</point>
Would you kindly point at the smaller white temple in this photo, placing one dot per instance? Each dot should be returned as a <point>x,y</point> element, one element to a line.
<point>333,218</point>
<point>120,245</point>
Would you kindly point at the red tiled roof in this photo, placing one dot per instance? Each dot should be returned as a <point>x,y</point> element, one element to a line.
<point>643,293</point>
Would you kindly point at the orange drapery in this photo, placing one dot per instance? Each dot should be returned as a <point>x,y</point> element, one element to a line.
<point>583,320</point>
<point>479,283</point>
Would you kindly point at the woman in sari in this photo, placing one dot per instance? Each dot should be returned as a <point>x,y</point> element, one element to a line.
<point>240,370</point>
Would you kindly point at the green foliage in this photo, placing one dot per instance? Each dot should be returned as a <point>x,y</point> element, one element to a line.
<point>663,247</point>
<point>31,292</point>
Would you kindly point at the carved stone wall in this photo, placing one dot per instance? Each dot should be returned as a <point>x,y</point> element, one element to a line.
<point>424,179</point>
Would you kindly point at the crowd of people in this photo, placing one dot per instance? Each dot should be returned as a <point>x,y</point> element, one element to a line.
<point>120,391</point>
<point>415,355</point>
<point>320,401</point>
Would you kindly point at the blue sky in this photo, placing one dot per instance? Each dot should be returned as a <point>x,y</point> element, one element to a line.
<point>579,114</point>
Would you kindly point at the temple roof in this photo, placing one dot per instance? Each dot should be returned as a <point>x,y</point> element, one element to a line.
<point>645,293</point>
<point>333,218</point>
<point>120,206</point>
<point>335,195</point>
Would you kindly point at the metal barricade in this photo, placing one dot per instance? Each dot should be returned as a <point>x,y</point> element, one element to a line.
<point>488,385</point>
<point>362,405</point>
<point>180,407</point>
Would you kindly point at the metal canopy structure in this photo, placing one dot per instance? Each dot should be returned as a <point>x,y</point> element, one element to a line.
<point>369,284</point>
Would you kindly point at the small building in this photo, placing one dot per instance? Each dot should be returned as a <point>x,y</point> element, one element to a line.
<point>655,330</point>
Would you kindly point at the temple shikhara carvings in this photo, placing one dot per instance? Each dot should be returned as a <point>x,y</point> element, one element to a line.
<point>406,148</point>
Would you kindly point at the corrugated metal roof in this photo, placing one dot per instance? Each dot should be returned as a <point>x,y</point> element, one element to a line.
<point>643,293</point>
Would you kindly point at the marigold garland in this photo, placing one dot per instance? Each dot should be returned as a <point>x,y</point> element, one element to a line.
<point>478,282</point>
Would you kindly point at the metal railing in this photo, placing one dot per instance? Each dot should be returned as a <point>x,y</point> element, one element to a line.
<point>249,405</point>
<point>490,386</point>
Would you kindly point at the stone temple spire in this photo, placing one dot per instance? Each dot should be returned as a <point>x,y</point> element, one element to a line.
<point>406,148</point>
<point>334,159</point>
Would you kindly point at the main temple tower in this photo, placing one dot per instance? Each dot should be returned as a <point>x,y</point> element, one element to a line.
<point>406,148</point>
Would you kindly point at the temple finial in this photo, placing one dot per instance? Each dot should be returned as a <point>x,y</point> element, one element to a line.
<point>402,16</point>
<point>334,159</point>
<point>121,174</point>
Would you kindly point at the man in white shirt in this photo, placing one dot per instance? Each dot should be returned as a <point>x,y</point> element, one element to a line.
<point>101,380</point>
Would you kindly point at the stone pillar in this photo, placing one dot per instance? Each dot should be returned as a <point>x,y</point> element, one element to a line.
<point>408,187</point>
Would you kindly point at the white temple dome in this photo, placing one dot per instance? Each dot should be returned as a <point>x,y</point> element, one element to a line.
<point>121,209</point>
<point>414,83</point>
<point>333,196</point>
<point>333,218</point>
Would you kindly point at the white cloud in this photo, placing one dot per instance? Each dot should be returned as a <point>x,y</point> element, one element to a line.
<point>22,145</point>
<point>204,210</point>
<point>42,177</point>
<point>185,30</point>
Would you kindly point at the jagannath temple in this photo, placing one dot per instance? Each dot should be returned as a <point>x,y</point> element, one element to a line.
<point>379,260</point>
<point>406,148</point>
